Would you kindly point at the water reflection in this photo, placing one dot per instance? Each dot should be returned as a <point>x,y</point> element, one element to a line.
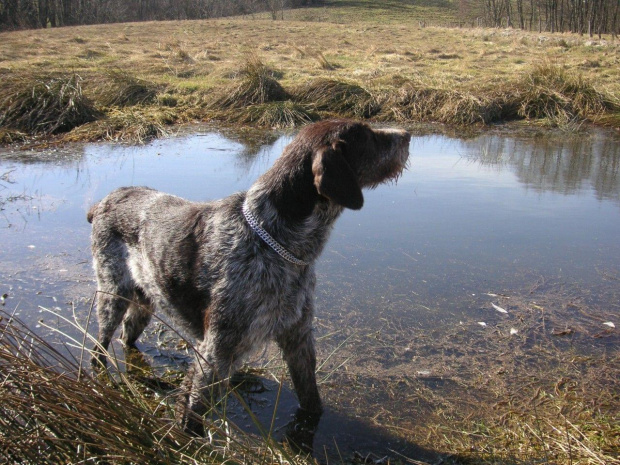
<point>567,165</point>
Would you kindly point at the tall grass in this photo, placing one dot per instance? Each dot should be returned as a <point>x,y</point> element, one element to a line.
<point>417,101</point>
<point>52,412</point>
<point>121,88</point>
<point>276,115</point>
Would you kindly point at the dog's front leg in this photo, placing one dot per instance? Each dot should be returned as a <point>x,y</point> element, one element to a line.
<point>199,391</point>
<point>297,345</point>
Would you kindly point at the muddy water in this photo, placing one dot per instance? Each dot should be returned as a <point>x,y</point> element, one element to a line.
<point>470,225</point>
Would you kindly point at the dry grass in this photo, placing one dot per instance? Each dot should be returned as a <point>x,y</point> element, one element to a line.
<point>122,89</point>
<point>416,101</point>
<point>44,104</point>
<point>551,92</point>
<point>276,115</point>
<point>378,56</point>
<point>338,98</point>
<point>53,411</point>
<point>257,86</point>
<point>125,125</point>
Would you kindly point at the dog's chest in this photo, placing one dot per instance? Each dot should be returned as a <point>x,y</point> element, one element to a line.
<point>275,302</point>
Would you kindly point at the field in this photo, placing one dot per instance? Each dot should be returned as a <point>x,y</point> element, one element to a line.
<point>354,59</point>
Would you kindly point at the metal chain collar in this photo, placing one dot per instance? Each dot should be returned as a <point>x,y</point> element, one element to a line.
<point>265,236</point>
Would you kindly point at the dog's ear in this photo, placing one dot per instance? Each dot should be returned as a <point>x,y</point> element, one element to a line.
<point>334,178</point>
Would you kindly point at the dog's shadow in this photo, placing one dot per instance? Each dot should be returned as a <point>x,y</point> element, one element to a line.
<point>331,438</point>
<point>273,409</point>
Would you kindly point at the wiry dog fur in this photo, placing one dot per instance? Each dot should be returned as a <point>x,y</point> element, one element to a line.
<point>203,265</point>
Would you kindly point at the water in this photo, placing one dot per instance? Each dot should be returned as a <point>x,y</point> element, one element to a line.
<point>470,222</point>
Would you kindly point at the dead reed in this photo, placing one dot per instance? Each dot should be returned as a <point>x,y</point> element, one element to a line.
<point>276,115</point>
<point>418,101</point>
<point>130,125</point>
<point>552,93</point>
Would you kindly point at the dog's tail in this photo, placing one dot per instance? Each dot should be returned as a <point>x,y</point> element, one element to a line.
<point>91,213</point>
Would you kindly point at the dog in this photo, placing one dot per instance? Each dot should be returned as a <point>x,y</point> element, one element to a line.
<point>237,272</point>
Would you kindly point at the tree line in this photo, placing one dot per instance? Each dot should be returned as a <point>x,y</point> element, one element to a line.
<point>592,17</point>
<point>580,16</point>
<point>32,14</point>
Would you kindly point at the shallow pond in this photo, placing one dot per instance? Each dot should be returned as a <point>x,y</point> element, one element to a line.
<point>473,227</point>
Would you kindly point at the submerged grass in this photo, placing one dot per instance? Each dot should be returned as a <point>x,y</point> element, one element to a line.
<point>538,384</point>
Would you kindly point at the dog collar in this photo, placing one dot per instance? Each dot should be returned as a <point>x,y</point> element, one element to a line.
<point>265,236</point>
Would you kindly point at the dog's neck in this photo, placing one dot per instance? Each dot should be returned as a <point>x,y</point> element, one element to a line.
<point>305,237</point>
<point>254,223</point>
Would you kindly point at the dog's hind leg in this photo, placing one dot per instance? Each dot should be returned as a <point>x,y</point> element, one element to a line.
<point>136,318</point>
<point>114,294</point>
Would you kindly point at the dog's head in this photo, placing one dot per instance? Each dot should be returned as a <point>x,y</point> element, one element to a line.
<point>332,161</point>
<point>351,156</point>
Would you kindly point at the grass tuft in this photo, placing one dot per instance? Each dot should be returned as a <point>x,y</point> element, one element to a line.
<point>122,89</point>
<point>54,412</point>
<point>276,115</point>
<point>258,85</point>
<point>416,101</point>
<point>131,126</point>
<point>550,92</point>
<point>49,416</point>
<point>338,98</point>
<point>44,104</point>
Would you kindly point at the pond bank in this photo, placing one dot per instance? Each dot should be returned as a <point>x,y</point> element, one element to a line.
<point>132,82</point>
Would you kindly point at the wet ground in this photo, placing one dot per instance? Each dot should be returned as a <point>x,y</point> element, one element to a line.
<point>487,253</point>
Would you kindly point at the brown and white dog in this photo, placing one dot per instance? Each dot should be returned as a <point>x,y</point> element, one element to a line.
<point>240,271</point>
